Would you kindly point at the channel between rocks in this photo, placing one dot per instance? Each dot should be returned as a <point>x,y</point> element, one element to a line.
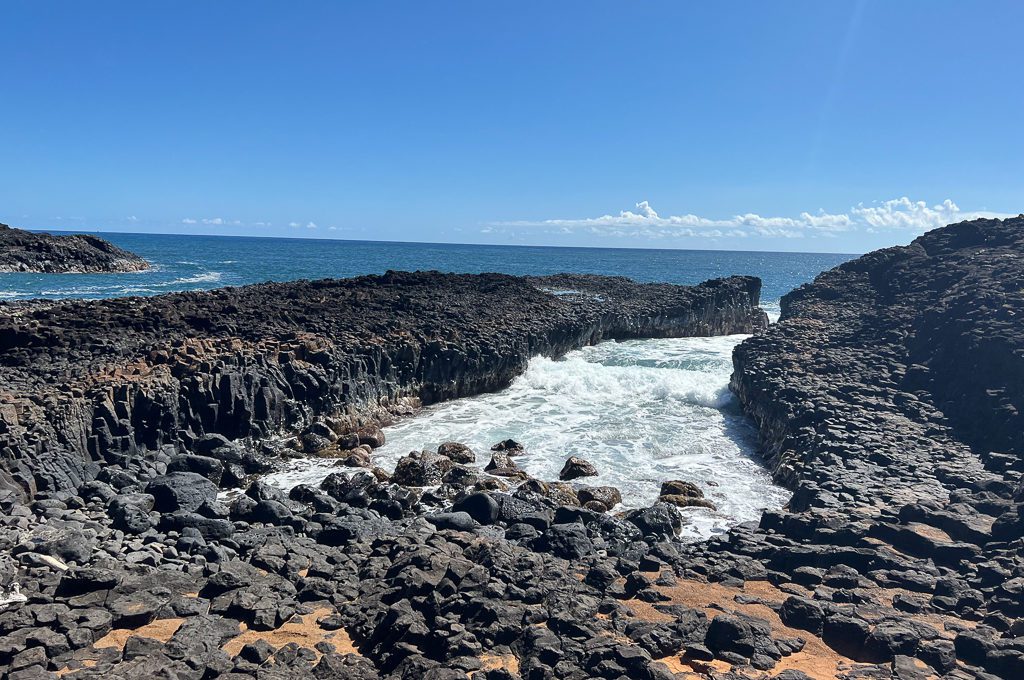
<point>131,382</point>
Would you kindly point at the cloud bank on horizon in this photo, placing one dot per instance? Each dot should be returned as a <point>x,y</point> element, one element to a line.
<point>644,222</point>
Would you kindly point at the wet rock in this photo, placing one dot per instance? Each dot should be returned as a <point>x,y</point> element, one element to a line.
<point>661,520</point>
<point>575,468</point>
<point>502,465</point>
<point>680,488</point>
<point>372,436</point>
<point>607,496</point>
<point>421,469</point>
<point>509,446</point>
<point>460,453</point>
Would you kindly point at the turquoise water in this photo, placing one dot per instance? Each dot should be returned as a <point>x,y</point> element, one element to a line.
<point>202,262</point>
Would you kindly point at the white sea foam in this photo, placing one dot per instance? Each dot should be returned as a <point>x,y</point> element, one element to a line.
<point>641,411</point>
<point>205,277</point>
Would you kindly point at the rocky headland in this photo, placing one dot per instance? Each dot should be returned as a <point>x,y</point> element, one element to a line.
<point>887,398</point>
<point>25,252</point>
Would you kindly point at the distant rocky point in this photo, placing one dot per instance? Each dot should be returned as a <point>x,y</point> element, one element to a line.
<point>25,251</point>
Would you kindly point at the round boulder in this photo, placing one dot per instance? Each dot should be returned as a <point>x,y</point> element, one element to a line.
<point>575,468</point>
<point>181,491</point>
<point>480,506</point>
<point>607,496</point>
<point>460,453</point>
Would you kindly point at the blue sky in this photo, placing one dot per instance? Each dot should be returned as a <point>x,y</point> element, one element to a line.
<point>799,125</point>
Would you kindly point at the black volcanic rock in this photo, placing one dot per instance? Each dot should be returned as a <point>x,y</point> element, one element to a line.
<point>889,398</point>
<point>128,377</point>
<point>26,251</point>
<point>900,549</point>
<point>118,419</point>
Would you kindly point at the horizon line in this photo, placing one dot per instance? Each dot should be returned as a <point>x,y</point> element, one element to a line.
<point>436,243</point>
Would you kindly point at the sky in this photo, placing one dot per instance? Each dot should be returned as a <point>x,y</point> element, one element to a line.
<point>838,126</point>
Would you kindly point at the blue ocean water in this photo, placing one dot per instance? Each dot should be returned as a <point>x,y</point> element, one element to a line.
<point>202,262</point>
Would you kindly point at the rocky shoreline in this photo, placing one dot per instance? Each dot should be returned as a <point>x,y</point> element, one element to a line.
<point>29,252</point>
<point>887,399</point>
<point>120,420</point>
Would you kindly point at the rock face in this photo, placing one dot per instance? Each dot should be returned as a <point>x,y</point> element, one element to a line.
<point>889,399</point>
<point>108,382</point>
<point>25,251</point>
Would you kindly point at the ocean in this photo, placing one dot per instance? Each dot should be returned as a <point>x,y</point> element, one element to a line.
<point>641,411</point>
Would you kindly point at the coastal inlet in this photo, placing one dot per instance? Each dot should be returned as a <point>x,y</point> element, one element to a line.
<point>642,411</point>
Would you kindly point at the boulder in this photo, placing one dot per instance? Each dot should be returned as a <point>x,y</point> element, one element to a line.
<point>421,469</point>
<point>607,496</point>
<point>510,447</point>
<point>460,453</point>
<point>181,491</point>
<point>676,487</point>
<point>208,467</point>
<point>455,521</point>
<point>661,520</point>
<point>575,468</point>
<point>480,506</point>
<point>372,436</point>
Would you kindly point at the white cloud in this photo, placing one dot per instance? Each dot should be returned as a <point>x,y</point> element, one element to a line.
<point>294,225</point>
<point>132,218</point>
<point>310,225</point>
<point>645,222</point>
<point>218,222</point>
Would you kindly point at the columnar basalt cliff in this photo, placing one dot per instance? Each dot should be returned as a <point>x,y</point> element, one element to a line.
<point>888,398</point>
<point>106,382</point>
<point>26,251</point>
<point>121,418</point>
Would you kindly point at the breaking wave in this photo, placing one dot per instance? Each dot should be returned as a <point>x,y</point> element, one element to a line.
<point>641,411</point>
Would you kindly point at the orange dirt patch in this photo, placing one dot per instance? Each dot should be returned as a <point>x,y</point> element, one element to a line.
<point>506,662</point>
<point>817,659</point>
<point>161,629</point>
<point>304,631</point>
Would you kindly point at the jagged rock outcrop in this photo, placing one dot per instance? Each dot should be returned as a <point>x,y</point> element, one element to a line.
<point>888,398</point>
<point>26,251</point>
